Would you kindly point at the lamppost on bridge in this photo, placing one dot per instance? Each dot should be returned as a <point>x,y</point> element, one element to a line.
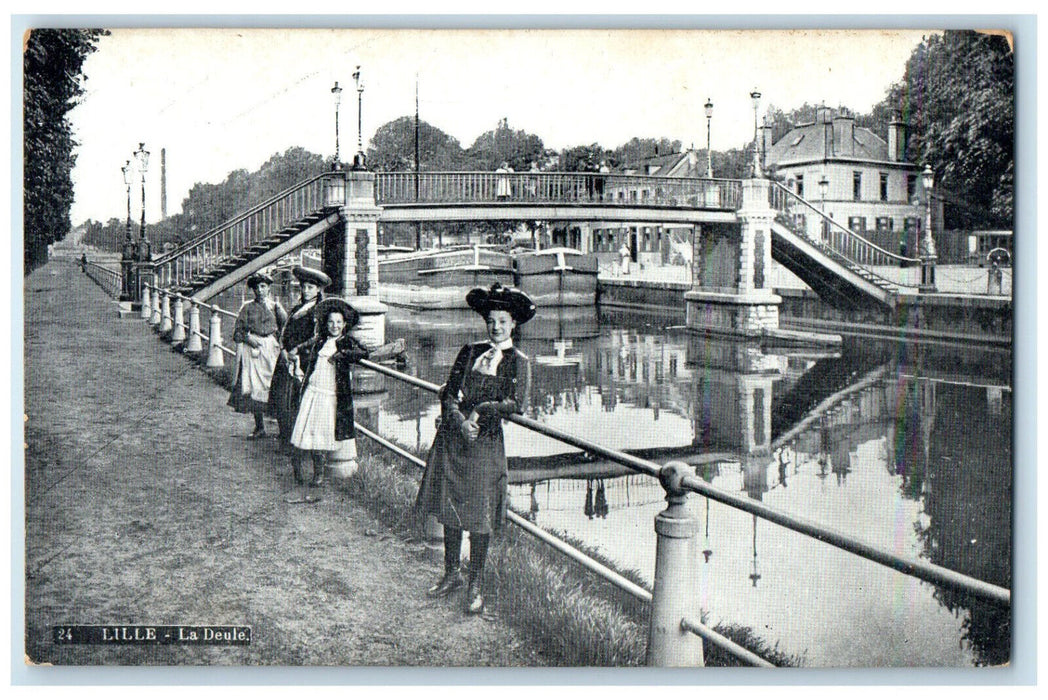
<point>143,165</point>
<point>709,156</point>
<point>756,97</point>
<point>927,247</point>
<point>336,93</point>
<point>359,159</point>
<point>824,188</point>
<point>130,250</point>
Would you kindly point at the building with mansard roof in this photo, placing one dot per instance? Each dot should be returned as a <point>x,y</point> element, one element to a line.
<point>856,177</point>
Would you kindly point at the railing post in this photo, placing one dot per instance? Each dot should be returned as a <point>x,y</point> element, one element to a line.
<point>165,314</point>
<point>178,329</point>
<point>214,340</point>
<point>193,343</point>
<point>674,592</point>
<point>147,303</point>
<point>155,318</point>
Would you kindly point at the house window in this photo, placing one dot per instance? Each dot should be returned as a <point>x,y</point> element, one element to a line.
<point>857,224</point>
<point>911,188</point>
<point>884,223</point>
<point>856,185</point>
<point>800,185</point>
<point>884,187</point>
<point>911,224</point>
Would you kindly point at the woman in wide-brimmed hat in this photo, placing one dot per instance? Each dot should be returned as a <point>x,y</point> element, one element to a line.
<point>255,333</point>
<point>464,484</point>
<point>325,414</point>
<point>300,327</point>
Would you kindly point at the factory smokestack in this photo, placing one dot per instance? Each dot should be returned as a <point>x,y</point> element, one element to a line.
<point>163,183</point>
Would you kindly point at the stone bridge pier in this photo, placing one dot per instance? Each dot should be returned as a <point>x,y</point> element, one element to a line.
<point>731,289</point>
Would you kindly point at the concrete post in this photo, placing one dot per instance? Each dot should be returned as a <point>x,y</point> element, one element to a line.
<point>214,339</point>
<point>674,592</point>
<point>147,303</point>
<point>165,314</point>
<point>155,318</point>
<point>178,329</point>
<point>193,343</point>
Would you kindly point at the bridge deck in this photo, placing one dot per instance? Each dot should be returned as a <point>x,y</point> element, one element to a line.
<point>146,504</point>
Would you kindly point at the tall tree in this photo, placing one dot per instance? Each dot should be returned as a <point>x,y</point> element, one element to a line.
<point>958,98</point>
<point>52,82</point>
<point>505,144</point>
<point>393,147</point>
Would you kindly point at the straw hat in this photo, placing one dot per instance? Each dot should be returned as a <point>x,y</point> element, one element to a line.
<point>308,274</point>
<point>499,298</point>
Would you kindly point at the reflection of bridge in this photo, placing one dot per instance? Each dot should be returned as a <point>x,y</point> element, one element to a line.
<point>740,226</point>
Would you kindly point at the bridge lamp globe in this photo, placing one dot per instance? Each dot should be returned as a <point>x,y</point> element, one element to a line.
<point>824,187</point>
<point>143,165</point>
<point>928,181</point>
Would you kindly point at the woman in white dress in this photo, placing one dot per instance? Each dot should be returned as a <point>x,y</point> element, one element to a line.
<point>325,414</point>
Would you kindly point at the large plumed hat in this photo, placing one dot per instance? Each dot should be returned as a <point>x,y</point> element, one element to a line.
<point>308,274</point>
<point>257,278</point>
<point>499,298</point>
<point>335,304</point>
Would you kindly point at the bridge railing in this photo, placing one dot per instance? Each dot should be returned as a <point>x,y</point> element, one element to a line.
<point>475,187</point>
<point>670,622</point>
<point>232,238</point>
<point>840,242</point>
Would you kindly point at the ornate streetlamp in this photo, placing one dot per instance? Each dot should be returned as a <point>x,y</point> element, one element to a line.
<point>130,250</point>
<point>927,246</point>
<point>336,93</point>
<point>756,97</point>
<point>709,156</point>
<point>143,165</point>
<point>824,188</point>
<point>359,158</point>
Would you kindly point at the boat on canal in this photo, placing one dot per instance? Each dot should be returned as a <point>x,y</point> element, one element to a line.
<point>558,276</point>
<point>439,279</point>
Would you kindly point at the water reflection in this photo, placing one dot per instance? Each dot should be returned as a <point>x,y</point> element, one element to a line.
<point>905,446</point>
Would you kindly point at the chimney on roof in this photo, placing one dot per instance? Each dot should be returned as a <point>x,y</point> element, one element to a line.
<point>896,139</point>
<point>844,134</point>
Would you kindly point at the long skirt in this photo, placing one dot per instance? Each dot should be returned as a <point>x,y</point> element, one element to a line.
<point>254,373</point>
<point>284,398</point>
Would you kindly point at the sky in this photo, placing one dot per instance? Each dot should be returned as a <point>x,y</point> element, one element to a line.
<point>221,99</point>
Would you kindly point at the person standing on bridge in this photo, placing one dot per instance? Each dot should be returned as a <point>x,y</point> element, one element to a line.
<point>255,334</point>
<point>502,188</point>
<point>464,484</point>
<point>325,415</point>
<point>300,327</point>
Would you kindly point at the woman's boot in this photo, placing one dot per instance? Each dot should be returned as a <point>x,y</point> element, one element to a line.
<point>319,463</point>
<point>452,578</point>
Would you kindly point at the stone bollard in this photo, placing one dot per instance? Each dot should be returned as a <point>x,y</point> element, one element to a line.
<point>165,314</point>
<point>214,340</point>
<point>674,592</point>
<point>178,328</point>
<point>147,305</point>
<point>193,343</point>
<point>155,318</point>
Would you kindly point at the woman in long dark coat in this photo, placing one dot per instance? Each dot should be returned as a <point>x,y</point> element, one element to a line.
<point>464,484</point>
<point>255,333</point>
<point>300,327</point>
<point>325,414</point>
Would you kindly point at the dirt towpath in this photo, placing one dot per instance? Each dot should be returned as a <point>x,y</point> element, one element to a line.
<point>146,504</point>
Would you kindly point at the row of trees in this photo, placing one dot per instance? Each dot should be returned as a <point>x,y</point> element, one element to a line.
<point>956,96</point>
<point>52,82</point>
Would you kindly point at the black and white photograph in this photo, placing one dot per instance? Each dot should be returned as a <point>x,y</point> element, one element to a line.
<point>518,347</point>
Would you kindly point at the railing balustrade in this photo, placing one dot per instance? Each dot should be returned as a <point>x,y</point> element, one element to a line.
<point>474,187</point>
<point>841,243</point>
<point>232,238</point>
<point>108,279</point>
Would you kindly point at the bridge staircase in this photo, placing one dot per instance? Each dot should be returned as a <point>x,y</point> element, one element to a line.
<point>236,249</point>
<point>841,266</point>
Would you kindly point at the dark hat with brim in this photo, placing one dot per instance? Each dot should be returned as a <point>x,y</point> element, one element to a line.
<point>308,274</point>
<point>259,278</point>
<point>335,304</point>
<point>499,298</point>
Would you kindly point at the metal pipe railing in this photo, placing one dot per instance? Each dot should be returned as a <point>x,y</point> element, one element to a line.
<point>108,279</point>
<point>925,571</point>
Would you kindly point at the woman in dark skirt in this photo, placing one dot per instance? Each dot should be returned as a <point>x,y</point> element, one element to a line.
<point>255,333</point>
<point>300,327</point>
<point>464,484</point>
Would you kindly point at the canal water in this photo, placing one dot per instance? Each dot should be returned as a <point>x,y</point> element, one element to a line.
<point>904,445</point>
